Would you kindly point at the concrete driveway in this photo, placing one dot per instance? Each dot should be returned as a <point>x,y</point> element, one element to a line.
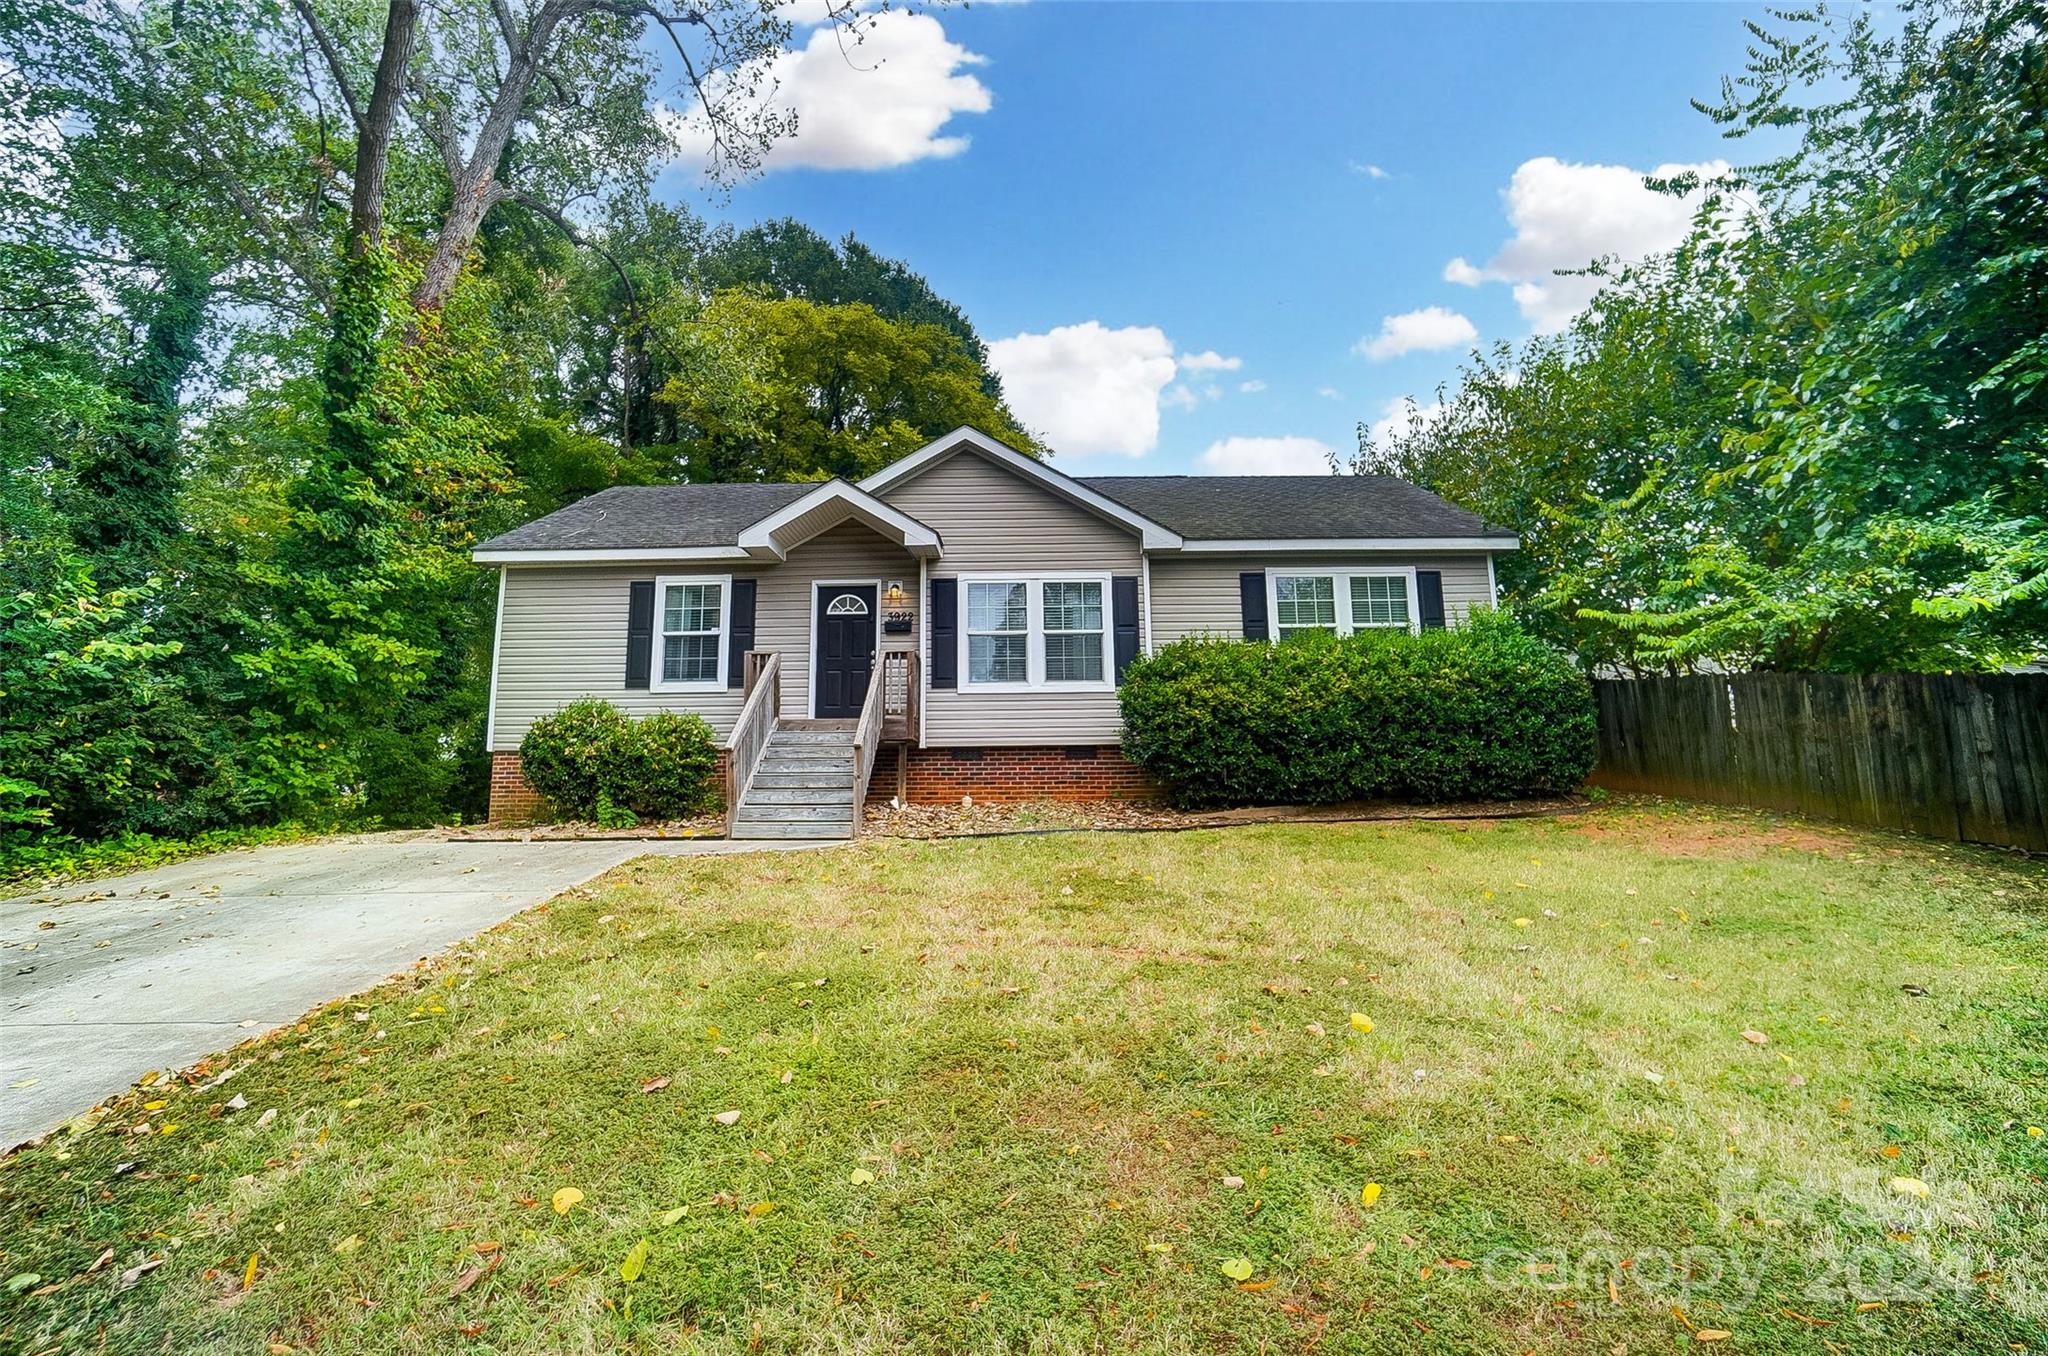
<point>100,983</point>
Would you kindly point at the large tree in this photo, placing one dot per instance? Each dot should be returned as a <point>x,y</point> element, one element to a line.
<point>1816,434</point>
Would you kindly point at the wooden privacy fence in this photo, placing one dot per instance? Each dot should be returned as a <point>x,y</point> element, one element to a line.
<point>1948,756</point>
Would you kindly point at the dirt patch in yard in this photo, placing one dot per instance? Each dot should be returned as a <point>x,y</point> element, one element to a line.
<point>973,818</point>
<point>1698,833</point>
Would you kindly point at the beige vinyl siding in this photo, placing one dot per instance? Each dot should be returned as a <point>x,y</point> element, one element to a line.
<point>993,521</point>
<point>849,553</point>
<point>563,632</point>
<point>1198,595</point>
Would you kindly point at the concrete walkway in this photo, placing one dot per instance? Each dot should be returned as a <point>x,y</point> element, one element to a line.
<point>167,966</point>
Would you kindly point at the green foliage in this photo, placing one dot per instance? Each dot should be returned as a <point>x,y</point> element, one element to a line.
<point>1815,436</point>
<point>594,762</point>
<point>1480,712</point>
<point>29,861</point>
<point>666,768</point>
<point>792,390</point>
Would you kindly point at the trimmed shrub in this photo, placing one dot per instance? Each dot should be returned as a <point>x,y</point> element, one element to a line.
<point>1482,712</point>
<point>589,755</point>
<point>665,768</point>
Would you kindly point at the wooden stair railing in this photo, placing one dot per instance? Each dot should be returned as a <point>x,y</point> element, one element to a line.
<point>762,675</point>
<point>867,742</point>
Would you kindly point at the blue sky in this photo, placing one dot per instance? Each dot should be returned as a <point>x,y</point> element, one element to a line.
<point>1207,237</point>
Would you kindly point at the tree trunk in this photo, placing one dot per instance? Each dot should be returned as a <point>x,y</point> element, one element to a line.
<point>380,123</point>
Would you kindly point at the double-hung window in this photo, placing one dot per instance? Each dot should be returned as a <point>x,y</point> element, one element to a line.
<point>692,613</point>
<point>1341,601</point>
<point>1036,631</point>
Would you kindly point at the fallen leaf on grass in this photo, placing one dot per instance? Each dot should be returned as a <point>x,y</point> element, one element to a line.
<point>1256,1286</point>
<point>566,1199</point>
<point>759,1208</point>
<point>249,1272</point>
<point>727,1118</point>
<point>669,1217</point>
<point>635,1263</point>
<point>349,1244</point>
<point>1712,1335</point>
<point>1361,1023</point>
<point>654,1084</point>
<point>1238,1268</point>
<point>1754,1038</point>
<point>860,1177</point>
<point>1910,1186</point>
<point>471,1275</point>
<point>1369,1195</point>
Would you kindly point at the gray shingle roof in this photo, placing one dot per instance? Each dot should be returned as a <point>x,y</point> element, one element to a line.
<point>651,517</point>
<point>1239,508</point>
<point>1261,508</point>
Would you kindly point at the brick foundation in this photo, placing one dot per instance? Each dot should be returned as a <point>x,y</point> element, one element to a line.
<point>514,801</point>
<point>943,776</point>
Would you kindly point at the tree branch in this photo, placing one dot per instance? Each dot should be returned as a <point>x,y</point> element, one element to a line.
<point>332,55</point>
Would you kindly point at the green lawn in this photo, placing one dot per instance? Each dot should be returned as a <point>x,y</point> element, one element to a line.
<point>1036,1093</point>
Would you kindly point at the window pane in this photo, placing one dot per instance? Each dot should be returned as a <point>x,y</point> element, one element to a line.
<point>689,659</point>
<point>1074,658</point>
<point>996,659</point>
<point>691,607</point>
<point>1305,601</point>
<point>995,607</point>
<point>1379,600</point>
<point>1073,606</point>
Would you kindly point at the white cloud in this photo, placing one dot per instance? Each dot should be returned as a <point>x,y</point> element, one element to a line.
<point>876,104</point>
<point>1209,361</point>
<point>1566,216</point>
<point>1397,415</point>
<point>1290,456</point>
<point>1369,170</point>
<point>1180,396</point>
<point>1252,387</point>
<point>1087,388</point>
<point>1425,331</point>
<point>1459,272</point>
<point>1329,393</point>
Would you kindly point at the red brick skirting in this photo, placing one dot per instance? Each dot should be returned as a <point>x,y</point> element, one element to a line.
<point>514,801</point>
<point>1000,776</point>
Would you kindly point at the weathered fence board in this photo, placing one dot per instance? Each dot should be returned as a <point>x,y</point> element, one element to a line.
<point>1945,755</point>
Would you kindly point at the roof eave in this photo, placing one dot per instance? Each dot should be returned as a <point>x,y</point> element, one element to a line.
<point>1273,545</point>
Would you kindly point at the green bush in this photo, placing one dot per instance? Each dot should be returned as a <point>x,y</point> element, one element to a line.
<point>664,770</point>
<point>1485,711</point>
<point>590,756</point>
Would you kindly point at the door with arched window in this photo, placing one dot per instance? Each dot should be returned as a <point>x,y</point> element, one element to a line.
<point>843,651</point>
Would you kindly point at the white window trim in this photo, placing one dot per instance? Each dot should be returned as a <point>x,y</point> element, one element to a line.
<point>655,660</point>
<point>1340,584</point>
<point>818,588</point>
<point>1034,632</point>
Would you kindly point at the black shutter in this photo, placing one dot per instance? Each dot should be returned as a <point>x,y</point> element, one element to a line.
<point>639,631</point>
<point>1123,598</point>
<point>741,638</point>
<point>1251,598</point>
<point>1429,596</point>
<point>945,606</point>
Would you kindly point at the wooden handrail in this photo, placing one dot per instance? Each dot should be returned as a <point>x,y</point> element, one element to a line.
<point>867,740</point>
<point>749,738</point>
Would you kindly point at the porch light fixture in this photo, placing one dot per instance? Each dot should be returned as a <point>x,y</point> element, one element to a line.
<point>894,595</point>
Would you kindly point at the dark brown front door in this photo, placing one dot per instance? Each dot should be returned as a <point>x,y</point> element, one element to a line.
<point>844,653</point>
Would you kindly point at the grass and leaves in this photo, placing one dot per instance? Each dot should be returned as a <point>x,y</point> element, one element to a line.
<point>1645,1079</point>
<point>30,862</point>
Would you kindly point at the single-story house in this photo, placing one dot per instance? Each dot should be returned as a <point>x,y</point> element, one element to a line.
<point>954,624</point>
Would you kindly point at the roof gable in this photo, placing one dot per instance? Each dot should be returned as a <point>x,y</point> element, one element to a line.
<point>1155,536</point>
